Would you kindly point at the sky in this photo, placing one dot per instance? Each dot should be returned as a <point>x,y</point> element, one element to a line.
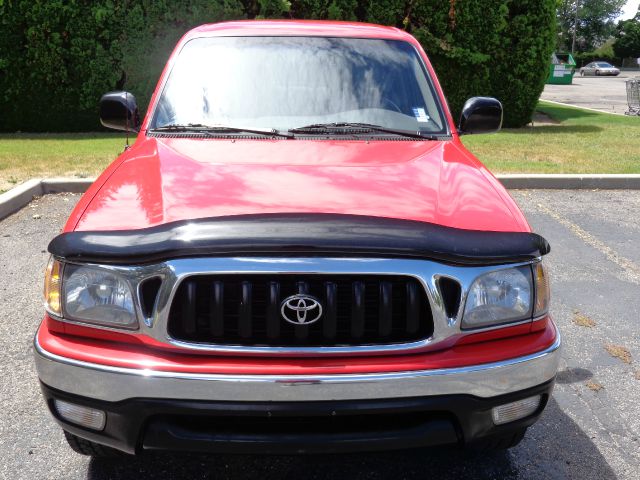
<point>629,9</point>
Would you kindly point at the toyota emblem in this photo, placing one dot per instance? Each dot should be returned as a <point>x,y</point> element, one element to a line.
<point>301,309</point>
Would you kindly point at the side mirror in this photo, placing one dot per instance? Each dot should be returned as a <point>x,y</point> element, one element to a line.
<point>480,115</point>
<point>119,110</point>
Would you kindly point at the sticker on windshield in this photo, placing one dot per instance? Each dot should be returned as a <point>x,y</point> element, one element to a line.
<point>420,114</point>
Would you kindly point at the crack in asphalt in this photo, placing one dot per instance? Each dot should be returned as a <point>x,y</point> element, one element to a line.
<point>630,268</point>
<point>611,425</point>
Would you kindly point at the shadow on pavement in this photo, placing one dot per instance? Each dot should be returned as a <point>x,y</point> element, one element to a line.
<point>573,375</point>
<point>554,448</point>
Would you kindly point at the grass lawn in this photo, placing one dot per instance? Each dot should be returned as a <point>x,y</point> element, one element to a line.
<point>579,141</point>
<point>30,155</point>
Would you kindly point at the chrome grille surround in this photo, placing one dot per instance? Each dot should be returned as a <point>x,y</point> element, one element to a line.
<point>446,329</point>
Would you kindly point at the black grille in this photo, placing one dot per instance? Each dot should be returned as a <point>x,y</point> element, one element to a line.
<point>246,310</point>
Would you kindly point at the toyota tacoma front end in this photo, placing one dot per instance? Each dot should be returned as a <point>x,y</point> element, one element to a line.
<point>296,255</point>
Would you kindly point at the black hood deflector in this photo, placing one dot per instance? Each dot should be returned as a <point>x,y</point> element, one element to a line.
<point>299,234</point>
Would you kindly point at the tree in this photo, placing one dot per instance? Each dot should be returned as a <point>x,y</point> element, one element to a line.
<point>591,22</point>
<point>495,47</point>
<point>627,36</point>
<point>521,64</point>
<point>58,56</point>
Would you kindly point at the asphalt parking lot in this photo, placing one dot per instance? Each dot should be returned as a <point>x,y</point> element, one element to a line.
<point>590,430</point>
<point>608,94</point>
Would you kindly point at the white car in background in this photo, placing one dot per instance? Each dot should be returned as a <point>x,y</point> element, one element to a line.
<point>599,68</point>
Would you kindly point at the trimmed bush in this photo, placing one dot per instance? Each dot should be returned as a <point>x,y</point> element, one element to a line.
<point>604,53</point>
<point>583,58</point>
<point>499,48</point>
<point>521,63</point>
<point>58,57</point>
<point>463,40</point>
<point>151,30</point>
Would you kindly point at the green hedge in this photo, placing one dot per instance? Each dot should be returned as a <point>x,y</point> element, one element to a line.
<point>57,57</point>
<point>604,53</point>
<point>583,58</point>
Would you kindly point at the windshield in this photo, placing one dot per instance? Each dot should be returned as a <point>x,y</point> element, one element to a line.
<point>287,82</point>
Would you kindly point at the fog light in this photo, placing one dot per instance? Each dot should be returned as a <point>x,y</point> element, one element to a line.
<point>510,412</point>
<point>85,416</point>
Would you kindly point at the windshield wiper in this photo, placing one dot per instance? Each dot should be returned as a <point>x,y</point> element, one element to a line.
<point>343,128</point>
<point>221,129</point>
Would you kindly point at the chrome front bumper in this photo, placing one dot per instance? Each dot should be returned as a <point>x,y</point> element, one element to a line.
<point>114,384</point>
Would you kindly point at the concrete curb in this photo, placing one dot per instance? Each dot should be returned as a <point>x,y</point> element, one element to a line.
<point>18,197</point>
<point>583,108</point>
<point>571,181</point>
<point>66,185</point>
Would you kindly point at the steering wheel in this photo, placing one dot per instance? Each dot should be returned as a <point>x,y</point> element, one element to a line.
<point>391,103</point>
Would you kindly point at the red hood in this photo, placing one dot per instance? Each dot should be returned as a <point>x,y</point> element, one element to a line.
<point>164,180</point>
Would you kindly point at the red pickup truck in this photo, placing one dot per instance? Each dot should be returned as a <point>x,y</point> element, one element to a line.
<point>296,255</point>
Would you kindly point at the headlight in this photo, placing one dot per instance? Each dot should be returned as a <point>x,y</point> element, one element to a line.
<point>96,295</point>
<point>499,297</point>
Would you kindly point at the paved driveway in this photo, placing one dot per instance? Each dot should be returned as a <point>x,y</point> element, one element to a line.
<point>602,93</point>
<point>589,431</point>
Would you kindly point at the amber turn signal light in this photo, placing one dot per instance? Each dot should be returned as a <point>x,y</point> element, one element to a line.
<point>543,295</point>
<point>52,286</point>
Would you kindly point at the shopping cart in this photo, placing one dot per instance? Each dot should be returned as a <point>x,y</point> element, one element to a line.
<point>633,96</point>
